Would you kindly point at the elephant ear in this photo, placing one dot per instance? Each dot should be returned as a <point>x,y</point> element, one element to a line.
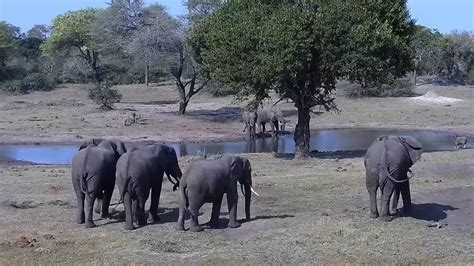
<point>413,147</point>
<point>94,142</point>
<point>120,147</point>
<point>247,168</point>
<point>411,142</point>
<point>237,168</point>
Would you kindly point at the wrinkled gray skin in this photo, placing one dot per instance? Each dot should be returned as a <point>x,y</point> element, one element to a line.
<point>250,120</point>
<point>93,177</point>
<point>275,119</point>
<point>460,142</point>
<point>387,163</point>
<point>139,171</point>
<point>206,181</point>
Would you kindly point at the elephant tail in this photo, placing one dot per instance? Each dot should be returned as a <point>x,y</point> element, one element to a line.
<point>384,171</point>
<point>125,188</point>
<point>84,179</point>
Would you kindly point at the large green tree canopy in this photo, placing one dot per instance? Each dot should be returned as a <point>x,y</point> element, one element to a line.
<point>72,33</point>
<point>301,49</point>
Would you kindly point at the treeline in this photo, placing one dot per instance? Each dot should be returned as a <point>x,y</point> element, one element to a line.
<point>128,43</point>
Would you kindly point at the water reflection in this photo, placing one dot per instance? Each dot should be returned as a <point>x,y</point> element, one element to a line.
<point>338,141</point>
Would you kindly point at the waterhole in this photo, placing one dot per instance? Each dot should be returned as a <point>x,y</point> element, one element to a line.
<point>323,143</point>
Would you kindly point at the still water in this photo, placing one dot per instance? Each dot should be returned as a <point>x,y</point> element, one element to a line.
<point>325,142</point>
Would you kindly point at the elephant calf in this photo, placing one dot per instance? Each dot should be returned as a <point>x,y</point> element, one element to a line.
<point>206,181</point>
<point>387,163</point>
<point>93,176</point>
<point>141,170</point>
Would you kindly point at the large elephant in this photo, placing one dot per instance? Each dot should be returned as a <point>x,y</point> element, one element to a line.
<point>141,170</point>
<point>93,177</point>
<point>206,181</point>
<point>275,119</point>
<point>250,120</point>
<point>387,163</point>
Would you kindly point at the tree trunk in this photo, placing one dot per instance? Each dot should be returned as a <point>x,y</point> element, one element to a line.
<point>302,134</point>
<point>182,106</point>
<point>414,78</point>
<point>147,70</point>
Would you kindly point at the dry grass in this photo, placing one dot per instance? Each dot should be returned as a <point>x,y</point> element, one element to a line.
<point>66,115</point>
<point>307,212</point>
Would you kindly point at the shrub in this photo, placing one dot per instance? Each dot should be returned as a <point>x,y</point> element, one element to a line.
<point>399,88</point>
<point>104,95</point>
<point>31,82</point>
<point>37,81</point>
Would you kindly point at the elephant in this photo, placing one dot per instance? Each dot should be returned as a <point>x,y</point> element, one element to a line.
<point>387,163</point>
<point>250,119</point>
<point>139,171</point>
<point>281,120</point>
<point>206,181</point>
<point>275,119</point>
<point>93,175</point>
<point>460,142</point>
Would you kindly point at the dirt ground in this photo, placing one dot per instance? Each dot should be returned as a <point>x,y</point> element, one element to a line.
<point>310,211</point>
<point>66,115</point>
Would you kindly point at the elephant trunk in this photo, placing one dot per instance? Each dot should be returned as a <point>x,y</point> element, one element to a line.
<point>248,198</point>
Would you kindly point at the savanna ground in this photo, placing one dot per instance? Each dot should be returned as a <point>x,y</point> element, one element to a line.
<point>309,211</point>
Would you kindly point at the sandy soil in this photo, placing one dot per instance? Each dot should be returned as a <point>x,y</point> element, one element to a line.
<point>309,211</point>
<point>67,116</point>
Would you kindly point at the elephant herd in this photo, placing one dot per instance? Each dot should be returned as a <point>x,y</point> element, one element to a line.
<point>100,164</point>
<point>255,121</point>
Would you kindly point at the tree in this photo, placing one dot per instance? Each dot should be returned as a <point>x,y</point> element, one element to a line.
<point>39,32</point>
<point>426,51</point>
<point>113,30</point>
<point>458,56</point>
<point>200,9</point>
<point>300,49</point>
<point>72,35</point>
<point>9,36</point>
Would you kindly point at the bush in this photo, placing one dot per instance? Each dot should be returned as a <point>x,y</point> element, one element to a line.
<point>13,87</point>
<point>399,88</point>
<point>104,95</point>
<point>31,82</point>
<point>37,81</point>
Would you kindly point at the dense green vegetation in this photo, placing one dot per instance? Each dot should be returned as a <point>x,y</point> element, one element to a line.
<point>129,42</point>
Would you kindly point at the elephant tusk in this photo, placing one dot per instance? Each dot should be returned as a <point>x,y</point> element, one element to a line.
<point>253,191</point>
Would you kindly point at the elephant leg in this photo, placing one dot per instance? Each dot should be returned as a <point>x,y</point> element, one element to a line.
<point>127,203</point>
<point>98,205</point>
<point>385,202</point>
<point>89,211</point>
<point>405,189</point>
<point>395,198</point>
<point>106,202</point>
<point>80,215</point>
<point>141,217</point>
<point>372,186</point>
<point>216,210</point>
<point>195,203</point>
<point>155,200</point>
<point>134,210</point>
<point>232,199</point>
<point>182,208</point>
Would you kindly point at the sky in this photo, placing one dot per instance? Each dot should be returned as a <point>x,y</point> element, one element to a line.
<point>444,15</point>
